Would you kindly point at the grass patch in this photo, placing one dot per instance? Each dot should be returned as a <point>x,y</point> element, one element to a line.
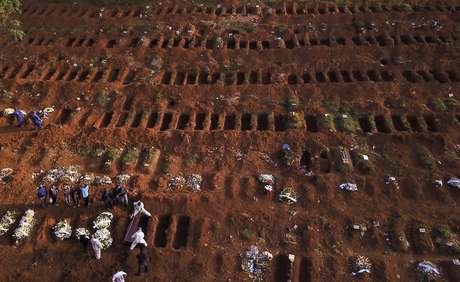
<point>445,232</point>
<point>425,157</point>
<point>128,156</point>
<point>102,3</point>
<point>450,156</point>
<point>288,157</point>
<point>248,234</point>
<point>342,159</point>
<point>6,95</point>
<point>230,68</point>
<point>346,123</point>
<point>10,11</point>
<point>294,120</point>
<point>451,103</point>
<point>406,7</point>
<point>111,154</point>
<point>43,153</point>
<point>437,105</point>
<point>156,63</point>
<point>327,121</point>
<point>365,166</point>
<point>102,99</point>
<point>280,30</point>
<point>292,103</point>
<point>358,25</point>
<point>240,27</point>
<point>400,60</point>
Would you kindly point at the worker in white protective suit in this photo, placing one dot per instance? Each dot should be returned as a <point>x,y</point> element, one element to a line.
<point>139,208</point>
<point>97,247</point>
<point>138,238</point>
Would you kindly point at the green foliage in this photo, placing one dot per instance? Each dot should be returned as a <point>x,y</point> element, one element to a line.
<point>365,166</point>
<point>358,25</point>
<point>6,95</point>
<point>451,103</point>
<point>450,156</point>
<point>232,67</point>
<point>425,157</point>
<point>240,27</point>
<point>445,232</point>
<point>327,121</point>
<point>292,103</point>
<point>112,153</point>
<point>346,123</point>
<point>438,105</point>
<point>406,8</point>
<point>288,157</point>
<point>248,234</point>
<point>128,156</point>
<point>10,11</point>
<point>280,30</point>
<point>101,99</point>
<point>294,120</point>
<point>107,2</point>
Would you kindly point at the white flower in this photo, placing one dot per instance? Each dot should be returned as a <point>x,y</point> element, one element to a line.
<point>25,226</point>
<point>103,235</point>
<point>62,230</point>
<point>103,220</point>
<point>81,231</point>
<point>7,221</point>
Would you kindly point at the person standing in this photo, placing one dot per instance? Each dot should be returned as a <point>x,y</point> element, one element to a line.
<point>68,195</point>
<point>76,197</point>
<point>142,260</point>
<point>121,195</point>
<point>36,120</point>
<point>138,238</point>
<point>41,194</point>
<point>19,117</point>
<point>97,247</point>
<point>85,193</point>
<point>119,276</point>
<point>53,194</point>
<point>139,208</point>
<point>107,199</point>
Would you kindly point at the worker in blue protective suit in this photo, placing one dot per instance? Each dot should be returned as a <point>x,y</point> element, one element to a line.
<point>41,194</point>
<point>37,121</point>
<point>19,117</point>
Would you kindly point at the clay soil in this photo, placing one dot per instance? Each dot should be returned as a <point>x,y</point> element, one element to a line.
<point>208,86</point>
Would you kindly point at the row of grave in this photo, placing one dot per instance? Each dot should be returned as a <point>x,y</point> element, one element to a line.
<point>181,232</point>
<point>67,73</point>
<point>242,43</point>
<point>223,10</point>
<point>172,231</point>
<point>264,121</point>
<point>204,77</point>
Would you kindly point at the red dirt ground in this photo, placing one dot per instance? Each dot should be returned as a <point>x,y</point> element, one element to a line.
<point>208,86</point>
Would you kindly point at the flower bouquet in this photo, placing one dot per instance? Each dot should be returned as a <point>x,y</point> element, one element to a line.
<point>255,262</point>
<point>6,221</point>
<point>25,226</point>
<point>103,220</point>
<point>288,195</point>
<point>103,235</point>
<point>82,231</point>
<point>62,230</point>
